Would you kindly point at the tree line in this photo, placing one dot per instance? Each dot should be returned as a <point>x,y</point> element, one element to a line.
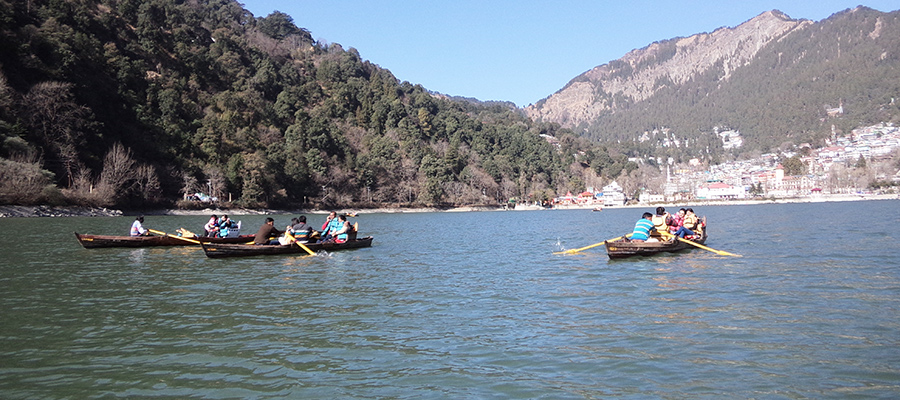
<point>138,103</point>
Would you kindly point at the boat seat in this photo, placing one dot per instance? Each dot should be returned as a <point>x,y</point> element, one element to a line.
<point>236,231</point>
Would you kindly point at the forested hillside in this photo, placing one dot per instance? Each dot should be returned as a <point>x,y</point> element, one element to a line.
<point>773,79</point>
<point>134,103</point>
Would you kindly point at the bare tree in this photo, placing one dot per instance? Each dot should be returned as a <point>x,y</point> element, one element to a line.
<point>455,191</point>
<point>119,175</point>
<point>52,112</point>
<point>81,190</point>
<point>508,189</point>
<point>190,184</point>
<point>148,186</point>
<point>22,180</point>
<point>216,181</point>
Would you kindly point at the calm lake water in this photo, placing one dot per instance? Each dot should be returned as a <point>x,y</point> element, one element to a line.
<point>462,305</point>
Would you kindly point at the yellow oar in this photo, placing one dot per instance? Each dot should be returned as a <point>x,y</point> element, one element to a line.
<point>690,242</point>
<point>173,236</point>
<point>303,246</point>
<point>573,251</point>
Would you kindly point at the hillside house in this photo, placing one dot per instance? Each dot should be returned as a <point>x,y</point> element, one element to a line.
<point>720,191</point>
<point>613,195</point>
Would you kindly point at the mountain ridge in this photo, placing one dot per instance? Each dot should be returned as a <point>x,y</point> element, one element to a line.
<point>703,66</point>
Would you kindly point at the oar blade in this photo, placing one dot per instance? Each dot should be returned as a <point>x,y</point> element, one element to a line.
<point>695,244</point>
<point>302,246</point>
<point>578,250</point>
<point>173,236</point>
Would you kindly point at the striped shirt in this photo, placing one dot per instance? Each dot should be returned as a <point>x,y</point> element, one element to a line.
<point>642,229</point>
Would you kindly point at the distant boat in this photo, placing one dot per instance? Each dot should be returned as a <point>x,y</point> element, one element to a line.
<point>98,241</point>
<point>597,209</point>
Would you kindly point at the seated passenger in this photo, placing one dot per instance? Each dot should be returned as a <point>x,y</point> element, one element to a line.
<point>642,228</point>
<point>677,227</point>
<point>137,229</point>
<point>300,229</point>
<point>676,221</point>
<point>343,232</point>
<point>225,226</point>
<point>692,224</point>
<point>331,225</point>
<point>659,220</point>
<point>266,231</point>
<point>211,227</point>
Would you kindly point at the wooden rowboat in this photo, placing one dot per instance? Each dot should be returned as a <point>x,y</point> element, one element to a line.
<point>98,241</point>
<point>623,248</point>
<point>217,250</point>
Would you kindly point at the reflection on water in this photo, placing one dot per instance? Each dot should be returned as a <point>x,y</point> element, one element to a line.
<point>487,315</point>
<point>137,256</point>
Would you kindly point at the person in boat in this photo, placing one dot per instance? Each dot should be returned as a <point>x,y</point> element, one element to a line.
<point>659,220</point>
<point>300,229</point>
<point>676,222</point>
<point>225,225</point>
<point>137,229</point>
<point>266,231</point>
<point>209,230</point>
<point>343,232</point>
<point>692,224</point>
<point>331,224</point>
<point>643,228</point>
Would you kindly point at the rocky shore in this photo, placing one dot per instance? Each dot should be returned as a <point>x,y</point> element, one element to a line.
<point>48,211</point>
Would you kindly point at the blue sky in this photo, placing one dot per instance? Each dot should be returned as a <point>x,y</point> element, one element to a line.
<point>520,51</point>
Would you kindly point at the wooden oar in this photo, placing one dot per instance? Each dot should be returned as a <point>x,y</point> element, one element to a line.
<point>693,243</point>
<point>174,236</point>
<point>303,246</point>
<point>573,251</point>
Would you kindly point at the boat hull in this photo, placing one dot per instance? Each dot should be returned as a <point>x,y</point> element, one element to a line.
<point>216,250</point>
<point>100,241</point>
<point>623,248</point>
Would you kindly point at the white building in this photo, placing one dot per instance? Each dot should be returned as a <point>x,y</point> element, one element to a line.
<point>613,195</point>
<point>720,191</point>
<point>648,198</point>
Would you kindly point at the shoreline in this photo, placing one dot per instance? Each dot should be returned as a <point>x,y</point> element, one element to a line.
<point>78,211</point>
<point>703,203</point>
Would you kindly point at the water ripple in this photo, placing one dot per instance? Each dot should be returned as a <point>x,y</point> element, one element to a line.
<point>487,316</point>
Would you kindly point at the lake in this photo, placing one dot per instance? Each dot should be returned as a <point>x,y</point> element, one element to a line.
<point>462,305</point>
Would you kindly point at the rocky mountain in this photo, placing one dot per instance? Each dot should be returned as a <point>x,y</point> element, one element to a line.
<point>769,78</point>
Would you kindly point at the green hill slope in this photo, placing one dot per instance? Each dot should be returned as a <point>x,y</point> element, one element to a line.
<point>137,103</point>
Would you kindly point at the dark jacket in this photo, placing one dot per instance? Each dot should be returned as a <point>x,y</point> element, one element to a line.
<point>264,232</point>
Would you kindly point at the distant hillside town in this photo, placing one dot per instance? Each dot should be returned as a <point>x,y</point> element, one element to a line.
<point>849,164</point>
